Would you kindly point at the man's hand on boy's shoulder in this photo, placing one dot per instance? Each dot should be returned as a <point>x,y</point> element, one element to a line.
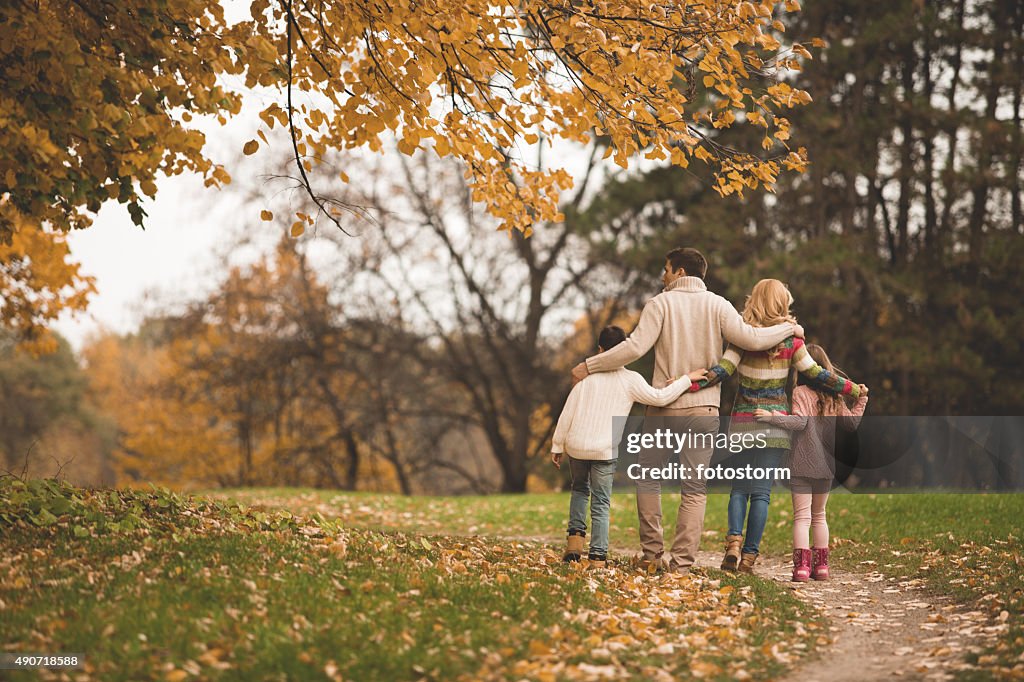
<point>579,373</point>
<point>556,459</point>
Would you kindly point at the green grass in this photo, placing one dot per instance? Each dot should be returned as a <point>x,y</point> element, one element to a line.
<point>301,584</point>
<point>157,586</point>
<point>272,612</point>
<point>965,546</point>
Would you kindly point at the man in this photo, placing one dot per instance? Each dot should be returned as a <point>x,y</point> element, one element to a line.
<point>686,324</point>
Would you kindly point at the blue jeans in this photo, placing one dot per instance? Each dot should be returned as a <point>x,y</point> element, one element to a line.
<point>591,482</point>
<point>753,491</point>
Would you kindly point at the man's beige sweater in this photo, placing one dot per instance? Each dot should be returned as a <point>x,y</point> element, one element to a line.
<point>687,324</point>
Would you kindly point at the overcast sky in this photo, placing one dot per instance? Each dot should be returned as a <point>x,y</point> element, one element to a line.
<point>178,256</point>
<point>187,225</point>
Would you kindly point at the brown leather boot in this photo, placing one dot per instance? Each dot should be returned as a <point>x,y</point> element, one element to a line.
<point>747,562</point>
<point>732,552</point>
<point>573,548</point>
<point>650,566</point>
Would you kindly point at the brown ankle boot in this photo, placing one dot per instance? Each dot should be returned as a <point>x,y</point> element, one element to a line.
<point>747,562</point>
<point>732,552</point>
<point>650,566</point>
<point>573,548</point>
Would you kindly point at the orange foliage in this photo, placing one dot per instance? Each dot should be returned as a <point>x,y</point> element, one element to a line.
<point>37,282</point>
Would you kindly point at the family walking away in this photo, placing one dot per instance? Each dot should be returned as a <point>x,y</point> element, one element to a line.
<point>788,403</point>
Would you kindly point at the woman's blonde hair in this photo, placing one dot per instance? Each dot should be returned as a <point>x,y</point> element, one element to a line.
<point>829,404</point>
<point>768,304</point>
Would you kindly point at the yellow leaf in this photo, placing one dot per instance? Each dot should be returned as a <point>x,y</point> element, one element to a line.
<point>406,146</point>
<point>298,227</point>
<point>266,215</point>
<point>539,648</point>
<point>250,147</point>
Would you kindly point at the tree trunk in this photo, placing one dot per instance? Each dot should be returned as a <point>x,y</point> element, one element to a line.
<point>980,183</point>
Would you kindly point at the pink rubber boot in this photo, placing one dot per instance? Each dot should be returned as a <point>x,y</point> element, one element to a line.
<point>801,565</point>
<point>819,570</point>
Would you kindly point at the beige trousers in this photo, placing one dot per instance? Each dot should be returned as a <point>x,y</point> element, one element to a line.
<point>693,492</point>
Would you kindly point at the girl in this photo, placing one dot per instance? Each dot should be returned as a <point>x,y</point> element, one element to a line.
<point>811,463</point>
<point>763,379</point>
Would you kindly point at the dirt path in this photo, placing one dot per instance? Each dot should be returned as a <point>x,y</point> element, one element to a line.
<point>881,627</point>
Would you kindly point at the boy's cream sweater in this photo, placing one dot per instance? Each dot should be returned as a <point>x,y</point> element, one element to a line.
<point>584,428</point>
<point>686,325</point>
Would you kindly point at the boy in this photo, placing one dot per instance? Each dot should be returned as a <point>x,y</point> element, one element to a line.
<point>584,432</point>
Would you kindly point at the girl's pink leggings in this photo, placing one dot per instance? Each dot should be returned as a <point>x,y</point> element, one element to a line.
<point>809,512</point>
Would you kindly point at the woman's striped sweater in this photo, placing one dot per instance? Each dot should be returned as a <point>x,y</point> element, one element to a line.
<point>763,384</point>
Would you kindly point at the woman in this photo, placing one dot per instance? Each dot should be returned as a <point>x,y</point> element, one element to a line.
<point>763,379</point>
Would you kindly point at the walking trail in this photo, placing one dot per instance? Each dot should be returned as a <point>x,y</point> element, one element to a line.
<point>882,627</point>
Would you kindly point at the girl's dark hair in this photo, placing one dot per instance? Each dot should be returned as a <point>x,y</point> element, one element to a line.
<point>828,403</point>
<point>610,337</point>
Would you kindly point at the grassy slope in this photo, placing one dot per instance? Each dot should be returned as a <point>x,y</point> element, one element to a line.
<point>156,586</point>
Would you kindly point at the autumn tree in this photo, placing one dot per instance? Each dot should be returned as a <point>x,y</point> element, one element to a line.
<point>37,282</point>
<point>473,78</point>
<point>268,380</point>
<point>476,80</point>
<point>900,241</point>
<point>34,394</point>
<point>47,424</point>
<point>489,309</point>
<point>97,101</point>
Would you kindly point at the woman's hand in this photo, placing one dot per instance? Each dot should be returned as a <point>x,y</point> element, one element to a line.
<point>762,415</point>
<point>697,374</point>
<point>579,373</point>
<point>863,390</point>
<point>556,459</point>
